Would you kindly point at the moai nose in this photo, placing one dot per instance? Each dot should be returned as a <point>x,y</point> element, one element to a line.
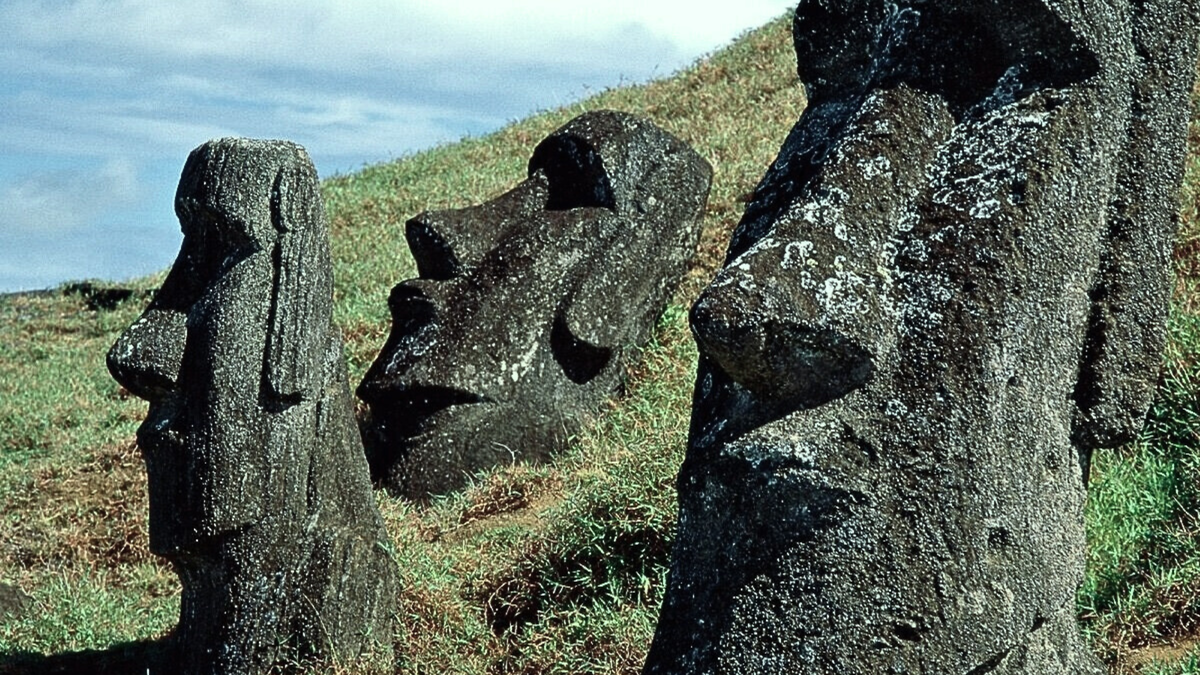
<point>146,358</point>
<point>771,339</point>
<point>414,333</point>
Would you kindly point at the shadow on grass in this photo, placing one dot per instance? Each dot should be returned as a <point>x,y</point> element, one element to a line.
<point>127,658</point>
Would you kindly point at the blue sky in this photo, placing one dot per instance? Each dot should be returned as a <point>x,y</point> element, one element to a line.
<point>101,100</point>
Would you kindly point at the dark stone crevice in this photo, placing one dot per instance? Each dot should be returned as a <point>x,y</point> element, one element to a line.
<point>990,665</point>
<point>580,361</point>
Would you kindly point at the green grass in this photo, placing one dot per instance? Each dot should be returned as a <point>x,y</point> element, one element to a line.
<point>557,568</point>
<point>56,393</point>
<point>91,609</point>
<point>1143,584</point>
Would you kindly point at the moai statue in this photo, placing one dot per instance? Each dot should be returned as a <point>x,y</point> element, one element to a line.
<point>259,489</point>
<point>948,290</point>
<point>528,306</point>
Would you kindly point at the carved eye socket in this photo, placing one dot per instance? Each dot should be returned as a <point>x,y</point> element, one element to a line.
<point>576,173</point>
<point>580,361</point>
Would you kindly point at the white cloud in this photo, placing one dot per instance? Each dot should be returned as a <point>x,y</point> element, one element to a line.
<point>155,73</point>
<point>694,27</point>
<point>58,201</point>
<point>120,86</point>
<point>318,35</point>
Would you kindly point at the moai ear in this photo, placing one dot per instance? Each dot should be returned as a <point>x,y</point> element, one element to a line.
<point>648,179</point>
<point>300,307</point>
<point>619,289</point>
<point>575,170</point>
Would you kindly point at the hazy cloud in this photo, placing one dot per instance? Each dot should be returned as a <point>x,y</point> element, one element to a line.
<point>183,64</point>
<point>355,33</point>
<point>57,201</point>
<point>108,96</point>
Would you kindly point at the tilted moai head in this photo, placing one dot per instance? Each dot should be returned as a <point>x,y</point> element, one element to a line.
<point>259,491</point>
<point>528,306</point>
<point>949,289</point>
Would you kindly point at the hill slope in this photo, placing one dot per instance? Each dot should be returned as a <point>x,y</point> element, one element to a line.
<point>535,569</point>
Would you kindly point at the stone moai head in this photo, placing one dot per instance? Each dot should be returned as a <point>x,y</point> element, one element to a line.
<point>213,352</point>
<point>259,491</point>
<point>949,288</point>
<point>527,307</point>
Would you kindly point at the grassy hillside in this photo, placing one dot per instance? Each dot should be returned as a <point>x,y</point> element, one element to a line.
<point>556,568</point>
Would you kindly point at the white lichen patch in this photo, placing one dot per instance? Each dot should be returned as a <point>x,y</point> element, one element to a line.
<point>825,209</point>
<point>845,294</point>
<point>985,209</point>
<point>918,250</point>
<point>798,254</point>
<point>875,167</point>
<point>781,441</point>
<point>526,361</point>
<point>745,281</point>
<point>929,294</point>
<point>411,347</point>
<point>983,160</point>
<point>887,258</point>
<point>569,259</point>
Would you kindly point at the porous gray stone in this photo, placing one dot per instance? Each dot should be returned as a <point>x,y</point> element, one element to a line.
<point>948,290</point>
<point>528,307</point>
<point>259,489</point>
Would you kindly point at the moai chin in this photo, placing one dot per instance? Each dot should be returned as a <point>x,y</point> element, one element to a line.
<point>948,290</point>
<point>259,489</point>
<point>527,306</point>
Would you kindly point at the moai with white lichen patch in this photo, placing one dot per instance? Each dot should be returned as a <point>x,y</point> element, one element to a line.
<point>530,306</point>
<point>948,290</point>
<point>259,489</point>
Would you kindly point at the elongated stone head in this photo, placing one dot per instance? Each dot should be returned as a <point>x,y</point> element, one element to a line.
<point>528,307</point>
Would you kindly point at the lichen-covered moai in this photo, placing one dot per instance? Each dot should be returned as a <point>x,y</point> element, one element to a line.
<point>527,306</point>
<point>948,290</point>
<point>259,489</point>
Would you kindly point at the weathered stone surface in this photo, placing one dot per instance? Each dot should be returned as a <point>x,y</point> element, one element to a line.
<point>259,488</point>
<point>526,308</point>
<point>948,290</point>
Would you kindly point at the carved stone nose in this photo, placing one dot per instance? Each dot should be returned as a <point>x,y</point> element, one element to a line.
<point>768,341</point>
<point>146,358</point>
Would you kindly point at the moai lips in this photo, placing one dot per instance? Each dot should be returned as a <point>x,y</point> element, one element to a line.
<point>528,306</point>
<point>949,289</point>
<point>259,489</point>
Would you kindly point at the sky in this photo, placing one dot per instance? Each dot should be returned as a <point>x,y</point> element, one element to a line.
<point>101,100</point>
